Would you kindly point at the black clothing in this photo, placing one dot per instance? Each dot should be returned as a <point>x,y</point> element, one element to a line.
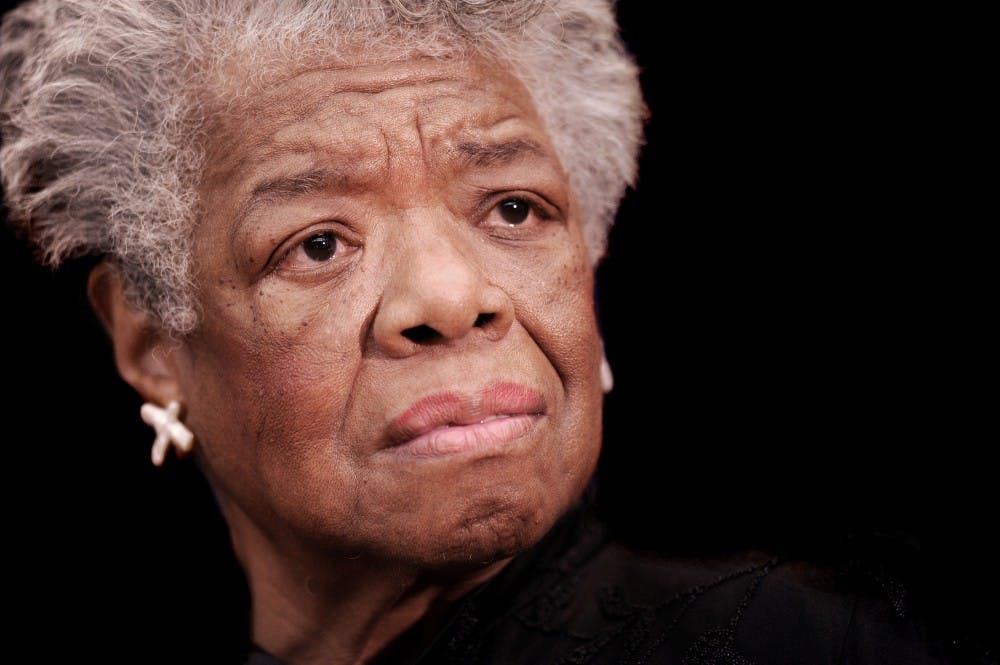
<point>578,598</point>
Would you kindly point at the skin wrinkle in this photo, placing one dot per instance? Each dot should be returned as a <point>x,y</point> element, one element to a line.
<point>291,418</point>
<point>585,85</point>
<point>350,174</point>
<point>289,378</point>
<point>425,150</point>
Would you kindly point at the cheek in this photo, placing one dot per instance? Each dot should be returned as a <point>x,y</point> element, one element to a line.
<point>553,298</point>
<point>268,388</point>
<point>282,391</point>
<point>555,305</point>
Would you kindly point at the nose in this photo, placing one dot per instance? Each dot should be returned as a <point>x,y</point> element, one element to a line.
<point>437,293</point>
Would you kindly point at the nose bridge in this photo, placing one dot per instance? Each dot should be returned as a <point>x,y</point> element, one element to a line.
<point>436,290</point>
<point>434,262</point>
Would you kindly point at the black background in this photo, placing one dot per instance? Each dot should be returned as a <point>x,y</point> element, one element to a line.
<point>803,361</point>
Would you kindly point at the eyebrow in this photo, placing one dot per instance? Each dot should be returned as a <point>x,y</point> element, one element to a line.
<point>495,154</point>
<point>284,187</point>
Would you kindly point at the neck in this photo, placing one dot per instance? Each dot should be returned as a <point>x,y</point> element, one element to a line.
<point>312,606</point>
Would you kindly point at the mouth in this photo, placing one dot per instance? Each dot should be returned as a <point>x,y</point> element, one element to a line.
<point>452,423</point>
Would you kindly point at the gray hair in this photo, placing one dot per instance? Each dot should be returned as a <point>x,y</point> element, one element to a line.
<point>100,119</point>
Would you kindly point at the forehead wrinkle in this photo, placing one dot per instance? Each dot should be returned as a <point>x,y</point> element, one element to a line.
<point>304,107</point>
<point>330,164</point>
<point>512,134</point>
<point>304,102</point>
<point>317,128</point>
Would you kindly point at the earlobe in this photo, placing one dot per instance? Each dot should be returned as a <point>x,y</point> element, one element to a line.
<point>143,349</point>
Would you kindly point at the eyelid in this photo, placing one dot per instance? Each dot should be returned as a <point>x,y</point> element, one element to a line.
<point>539,206</point>
<point>347,244</point>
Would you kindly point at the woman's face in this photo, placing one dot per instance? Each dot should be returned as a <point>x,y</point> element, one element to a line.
<point>398,354</point>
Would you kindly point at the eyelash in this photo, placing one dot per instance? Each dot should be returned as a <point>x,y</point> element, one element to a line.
<point>542,211</point>
<point>344,247</point>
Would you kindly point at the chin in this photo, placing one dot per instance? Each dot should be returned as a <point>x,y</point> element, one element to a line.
<point>507,517</point>
<point>487,531</point>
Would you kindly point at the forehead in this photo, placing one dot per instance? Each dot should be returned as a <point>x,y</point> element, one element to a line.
<point>366,115</point>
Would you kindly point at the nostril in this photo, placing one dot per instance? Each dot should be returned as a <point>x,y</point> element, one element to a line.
<point>421,334</point>
<point>483,319</point>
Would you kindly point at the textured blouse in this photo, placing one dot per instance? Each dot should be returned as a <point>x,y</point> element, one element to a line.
<point>578,597</point>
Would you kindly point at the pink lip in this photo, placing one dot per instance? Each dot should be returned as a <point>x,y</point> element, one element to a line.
<point>448,423</point>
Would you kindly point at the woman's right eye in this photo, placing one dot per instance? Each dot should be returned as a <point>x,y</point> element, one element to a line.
<point>320,247</point>
<point>315,250</point>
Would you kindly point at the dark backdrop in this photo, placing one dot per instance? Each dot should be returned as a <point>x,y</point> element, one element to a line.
<point>800,360</point>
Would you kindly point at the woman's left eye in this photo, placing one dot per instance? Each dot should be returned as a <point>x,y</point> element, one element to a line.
<point>518,214</point>
<point>514,211</point>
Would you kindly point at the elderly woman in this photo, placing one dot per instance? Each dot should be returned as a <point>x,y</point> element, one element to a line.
<point>346,258</point>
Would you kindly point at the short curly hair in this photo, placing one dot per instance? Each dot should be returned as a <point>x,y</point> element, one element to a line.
<point>100,119</point>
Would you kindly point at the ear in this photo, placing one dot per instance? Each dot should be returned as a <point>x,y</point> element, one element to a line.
<point>144,351</point>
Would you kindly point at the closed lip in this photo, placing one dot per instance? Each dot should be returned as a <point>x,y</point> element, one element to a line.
<point>452,422</point>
